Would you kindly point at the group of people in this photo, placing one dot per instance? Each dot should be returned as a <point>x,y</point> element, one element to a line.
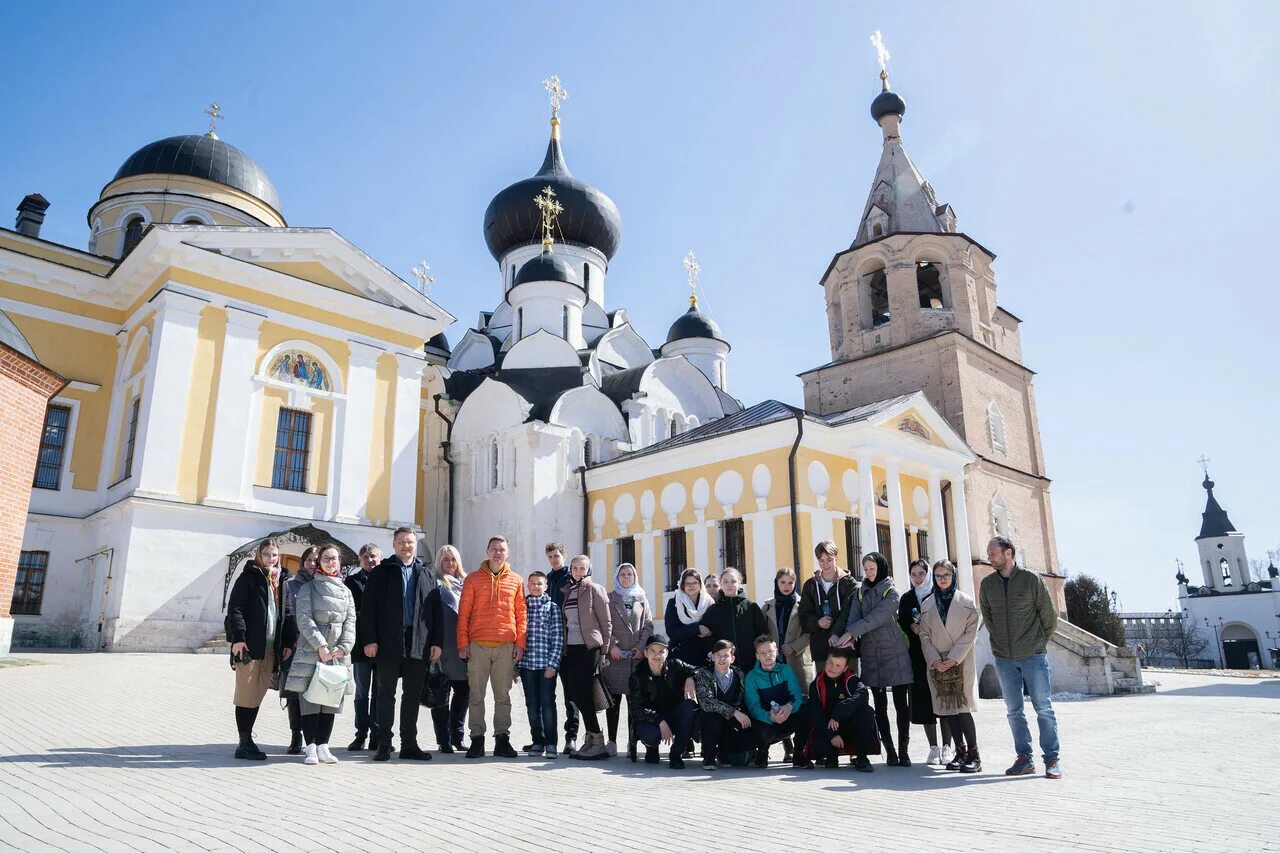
<point>813,669</point>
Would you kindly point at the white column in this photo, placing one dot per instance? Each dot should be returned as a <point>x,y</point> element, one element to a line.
<point>229,454</point>
<point>404,442</point>
<point>866,507</point>
<point>701,553</point>
<point>960,518</point>
<point>764,557</point>
<point>168,382</point>
<point>111,450</point>
<point>937,521</point>
<point>897,528</point>
<point>652,571</point>
<point>354,439</point>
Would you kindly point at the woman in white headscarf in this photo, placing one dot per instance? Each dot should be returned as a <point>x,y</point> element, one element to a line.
<point>909,609</point>
<point>690,639</point>
<point>631,620</point>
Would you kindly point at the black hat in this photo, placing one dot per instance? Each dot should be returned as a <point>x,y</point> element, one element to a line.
<point>658,639</point>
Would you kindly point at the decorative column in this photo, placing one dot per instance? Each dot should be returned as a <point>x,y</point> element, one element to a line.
<point>866,507</point>
<point>355,435</point>
<point>960,517</point>
<point>111,448</point>
<point>897,527</point>
<point>651,570</point>
<point>404,441</point>
<point>229,455</point>
<point>937,520</point>
<point>168,380</point>
<point>763,554</point>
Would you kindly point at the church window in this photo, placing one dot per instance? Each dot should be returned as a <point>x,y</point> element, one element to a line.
<point>1226,571</point>
<point>877,230</point>
<point>53,443</point>
<point>191,220</point>
<point>876,299</point>
<point>676,556</point>
<point>853,545</point>
<point>1001,525</point>
<point>922,545</point>
<point>131,439</point>
<point>929,284</point>
<point>733,546</point>
<point>884,539</point>
<point>720,370</point>
<point>627,550</point>
<point>996,429</point>
<point>519,322</point>
<point>674,429</point>
<point>28,587</point>
<point>586,275</point>
<point>293,450</point>
<point>495,469</point>
<point>132,233</point>
<point>564,322</point>
<point>587,455</point>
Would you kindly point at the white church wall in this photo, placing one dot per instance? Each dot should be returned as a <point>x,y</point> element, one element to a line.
<point>622,347</point>
<point>1256,611</point>
<point>543,305</point>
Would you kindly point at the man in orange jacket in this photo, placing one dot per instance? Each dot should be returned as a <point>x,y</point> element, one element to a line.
<point>491,637</point>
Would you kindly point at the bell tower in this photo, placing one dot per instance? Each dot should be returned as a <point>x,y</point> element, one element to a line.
<point>911,306</point>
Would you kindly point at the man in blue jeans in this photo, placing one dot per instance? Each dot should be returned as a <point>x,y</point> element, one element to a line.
<point>1020,618</point>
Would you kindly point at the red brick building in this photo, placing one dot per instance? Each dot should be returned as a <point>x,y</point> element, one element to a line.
<point>25,389</point>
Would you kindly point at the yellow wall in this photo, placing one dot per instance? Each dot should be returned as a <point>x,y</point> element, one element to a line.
<point>193,187</point>
<point>202,397</point>
<point>379,508</point>
<point>58,254</point>
<point>45,299</point>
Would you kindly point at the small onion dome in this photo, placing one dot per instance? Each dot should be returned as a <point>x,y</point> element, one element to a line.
<point>202,156</point>
<point>887,103</point>
<point>693,324</point>
<point>590,218</point>
<point>547,267</point>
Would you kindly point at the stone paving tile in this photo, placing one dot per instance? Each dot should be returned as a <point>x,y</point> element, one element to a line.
<point>132,752</point>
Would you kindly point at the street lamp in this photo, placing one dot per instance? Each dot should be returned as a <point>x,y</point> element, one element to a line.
<point>1217,646</point>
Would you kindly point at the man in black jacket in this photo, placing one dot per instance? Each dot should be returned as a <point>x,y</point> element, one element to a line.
<point>841,715</point>
<point>663,701</point>
<point>401,631</point>
<point>366,691</point>
<point>821,599</point>
<point>557,578</point>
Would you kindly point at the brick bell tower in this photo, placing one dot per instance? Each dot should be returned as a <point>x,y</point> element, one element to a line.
<point>911,305</point>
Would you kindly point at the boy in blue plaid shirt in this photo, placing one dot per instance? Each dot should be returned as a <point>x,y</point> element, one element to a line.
<point>543,645</point>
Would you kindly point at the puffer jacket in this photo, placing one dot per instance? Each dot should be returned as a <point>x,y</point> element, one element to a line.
<point>326,616</point>
<point>492,608</point>
<point>288,605</point>
<point>739,620</point>
<point>1019,613</point>
<point>870,616</point>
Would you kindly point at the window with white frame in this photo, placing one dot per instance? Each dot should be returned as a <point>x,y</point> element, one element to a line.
<point>495,464</point>
<point>996,429</point>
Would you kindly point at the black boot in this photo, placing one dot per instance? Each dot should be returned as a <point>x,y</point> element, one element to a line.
<point>409,751</point>
<point>762,757</point>
<point>633,753</point>
<point>248,750</point>
<point>650,755</point>
<point>961,754</point>
<point>358,744</point>
<point>295,744</point>
<point>476,750</point>
<point>383,753</point>
<point>903,739</point>
<point>502,747</point>
<point>972,762</point>
<point>788,750</point>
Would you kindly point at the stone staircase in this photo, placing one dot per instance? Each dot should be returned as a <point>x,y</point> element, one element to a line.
<point>218,645</point>
<point>1084,663</point>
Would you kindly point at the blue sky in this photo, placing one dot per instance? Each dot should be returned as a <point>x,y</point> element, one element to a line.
<point>1118,158</point>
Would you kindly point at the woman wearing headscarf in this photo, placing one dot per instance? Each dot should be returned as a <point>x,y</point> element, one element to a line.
<point>299,576</point>
<point>909,612</point>
<point>448,720</point>
<point>782,614</point>
<point>948,630</point>
<point>586,636</point>
<point>690,639</point>
<point>870,617</point>
<point>630,624</point>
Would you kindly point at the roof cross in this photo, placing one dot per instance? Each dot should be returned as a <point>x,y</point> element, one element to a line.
<point>425,280</point>
<point>214,112</point>
<point>557,94</point>
<point>1203,462</point>
<point>691,264</point>
<point>551,210</point>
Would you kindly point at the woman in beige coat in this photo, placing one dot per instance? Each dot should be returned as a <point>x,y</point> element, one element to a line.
<point>949,623</point>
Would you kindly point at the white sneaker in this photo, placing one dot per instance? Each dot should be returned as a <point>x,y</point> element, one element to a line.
<point>325,756</point>
<point>935,757</point>
<point>309,754</point>
<point>948,755</point>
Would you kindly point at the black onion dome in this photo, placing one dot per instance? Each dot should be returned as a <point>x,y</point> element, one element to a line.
<point>693,324</point>
<point>204,157</point>
<point>547,267</point>
<point>590,217</point>
<point>888,103</point>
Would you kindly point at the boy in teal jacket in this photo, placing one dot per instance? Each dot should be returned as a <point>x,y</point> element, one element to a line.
<point>774,699</point>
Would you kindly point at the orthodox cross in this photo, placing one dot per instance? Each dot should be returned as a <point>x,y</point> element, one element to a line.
<point>551,209</point>
<point>691,264</point>
<point>214,112</point>
<point>1204,461</point>
<point>420,272</point>
<point>557,94</point>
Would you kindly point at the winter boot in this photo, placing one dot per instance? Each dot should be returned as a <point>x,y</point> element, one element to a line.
<point>476,750</point>
<point>502,747</point>
<point>248,750</point>
<point>295,744</point>
<point>594,749</point>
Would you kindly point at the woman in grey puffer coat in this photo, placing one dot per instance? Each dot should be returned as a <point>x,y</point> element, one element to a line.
<point>870,618</point>
<point>326,617</point>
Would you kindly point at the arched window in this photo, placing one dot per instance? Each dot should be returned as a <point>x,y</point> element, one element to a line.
<point>519,322</point>
<point>995,427</point>
<point>192,220</point>
<point>1001,524</point>
<point>674,429</point>
<point>588,455</point>
<point>875,299</point>
<point>564,322</point>
<point>586,275</point>
<point>1226,571</point>
<point>132,233</point>
<point>494,464</point>
<point>929,284</point>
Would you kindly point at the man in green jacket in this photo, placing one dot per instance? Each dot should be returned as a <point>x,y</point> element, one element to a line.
<point>1020,618</point>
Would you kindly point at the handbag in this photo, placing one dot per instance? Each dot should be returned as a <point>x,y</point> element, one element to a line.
<point>600,693</point>
<point>328,685</point>
<point>435,689</point>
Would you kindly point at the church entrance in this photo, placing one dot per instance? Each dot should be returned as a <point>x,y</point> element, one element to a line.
<point>1240,648</point>
<point>296,539</point>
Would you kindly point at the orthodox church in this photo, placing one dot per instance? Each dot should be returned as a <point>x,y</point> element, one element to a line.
<point>231,377</point>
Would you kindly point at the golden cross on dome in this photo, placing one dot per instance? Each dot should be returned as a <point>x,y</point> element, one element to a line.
<point>691,264</point>
<point>214,112</point>
<point>556,93</point>
<point>425,280</point>
<point>551,210</point>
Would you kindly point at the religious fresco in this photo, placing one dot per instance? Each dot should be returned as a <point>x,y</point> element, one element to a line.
<point>299,368</point>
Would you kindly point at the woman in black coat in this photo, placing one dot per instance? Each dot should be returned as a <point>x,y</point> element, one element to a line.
<point>690,639</point>
<point>736,618</point>
<point>909,609</point>
<point>253,627</point>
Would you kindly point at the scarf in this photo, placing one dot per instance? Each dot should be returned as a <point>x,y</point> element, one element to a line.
<point>942,600</point>
<point>925,589</point>
<point>688,612</point>
<point>948,687</point>
<point>635,591</point>
<point>783,605</point>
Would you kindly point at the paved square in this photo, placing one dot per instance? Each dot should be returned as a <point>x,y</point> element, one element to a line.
<point>119,752</point>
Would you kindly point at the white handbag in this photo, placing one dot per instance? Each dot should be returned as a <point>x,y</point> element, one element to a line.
<point>328,684</point>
